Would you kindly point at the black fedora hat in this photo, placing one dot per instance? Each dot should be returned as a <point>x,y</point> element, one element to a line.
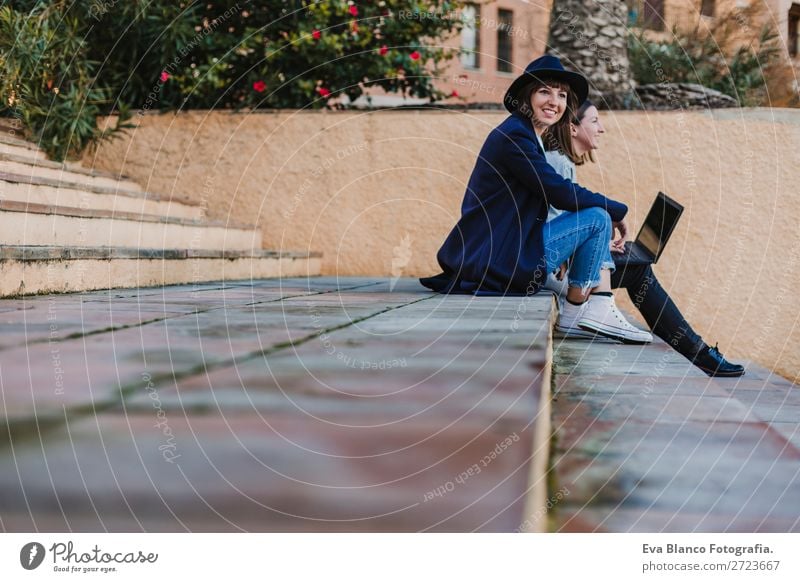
<point>549,67</point>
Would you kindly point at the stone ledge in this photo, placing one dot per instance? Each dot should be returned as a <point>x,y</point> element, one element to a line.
<point>49,253</point>
<point>72,167</point>
<point>32,208</point>
<point>646,443</point>
<point>55,275</point>
<point>38,181</point>
<point>278,434</point>
<point>20,143</point>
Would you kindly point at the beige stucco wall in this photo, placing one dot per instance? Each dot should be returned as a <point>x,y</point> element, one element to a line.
<point>377,192</point>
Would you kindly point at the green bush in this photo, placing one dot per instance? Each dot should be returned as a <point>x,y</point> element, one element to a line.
<point>718,55</point>
<point>66,62</point>
<point>47,79</point>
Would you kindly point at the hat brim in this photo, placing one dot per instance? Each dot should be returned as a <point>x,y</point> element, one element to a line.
<point>576,82</point>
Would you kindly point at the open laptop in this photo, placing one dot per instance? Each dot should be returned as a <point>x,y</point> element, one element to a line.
<point>655,232</point>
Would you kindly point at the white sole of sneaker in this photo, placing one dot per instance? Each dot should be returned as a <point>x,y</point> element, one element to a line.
<point>615,333</point>
<point>574,333</point>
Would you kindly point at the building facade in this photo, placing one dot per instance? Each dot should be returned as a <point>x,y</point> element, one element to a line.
<point>501,37</point>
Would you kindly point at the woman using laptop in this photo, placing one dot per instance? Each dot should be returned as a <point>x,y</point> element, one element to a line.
<point>502,244</point>
<point>565,151</point>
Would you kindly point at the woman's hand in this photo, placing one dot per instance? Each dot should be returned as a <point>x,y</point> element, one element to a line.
<point>622,227</point>
<point>618,245</point>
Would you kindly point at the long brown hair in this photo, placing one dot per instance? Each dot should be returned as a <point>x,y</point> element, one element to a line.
<point>560,138</point>
<point>523,105</point>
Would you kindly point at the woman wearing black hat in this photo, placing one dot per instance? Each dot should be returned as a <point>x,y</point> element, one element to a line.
<point>501,244</point>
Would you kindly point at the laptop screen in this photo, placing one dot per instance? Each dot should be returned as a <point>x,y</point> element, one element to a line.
<point>659,224</point>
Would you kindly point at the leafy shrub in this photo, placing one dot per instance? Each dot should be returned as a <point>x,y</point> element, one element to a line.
<point>63,63</point>
<point>735,53</point>
<point>47,79</point>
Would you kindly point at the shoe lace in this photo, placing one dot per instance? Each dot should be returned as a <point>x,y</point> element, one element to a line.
<point>715,353</point>
<point>621,318</point>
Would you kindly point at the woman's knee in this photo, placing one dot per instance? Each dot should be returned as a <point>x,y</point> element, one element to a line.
<point>598,217</point>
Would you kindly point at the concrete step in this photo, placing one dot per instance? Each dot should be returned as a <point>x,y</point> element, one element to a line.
<point>69,172</point>
<point>41,190</point>
<point>40,224</point>
<point>32,270</point>
<point>21,148</point>
<point>646,443</point>
<point>288,409</point>
<point>20,151</point>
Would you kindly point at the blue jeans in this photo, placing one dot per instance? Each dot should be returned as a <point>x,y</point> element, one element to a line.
<point>584,236</point>
<point>644,289</point>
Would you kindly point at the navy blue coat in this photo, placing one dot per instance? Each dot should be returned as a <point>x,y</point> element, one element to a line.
<point>497,248</point>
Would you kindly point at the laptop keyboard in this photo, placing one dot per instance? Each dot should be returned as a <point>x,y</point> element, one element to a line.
<point>635,253</point>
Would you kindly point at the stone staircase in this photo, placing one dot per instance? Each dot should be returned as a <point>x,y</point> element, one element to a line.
<point>66,228</point>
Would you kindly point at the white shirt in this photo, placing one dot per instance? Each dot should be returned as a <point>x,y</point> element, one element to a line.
<point>565,168</point>
<point>541,143</point>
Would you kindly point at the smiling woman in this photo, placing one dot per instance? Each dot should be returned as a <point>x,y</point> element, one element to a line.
<point>501,244</point>
<point>644,289</point>
<point>548,102</point>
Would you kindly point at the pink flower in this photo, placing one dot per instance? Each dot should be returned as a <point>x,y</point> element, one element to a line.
<point>323,91</point>
<point>164,76</point>
<point>414,56</point>
<point>383,50</point>
<point>353,10</point>
<point>315,34</point>
<point>259,86</point>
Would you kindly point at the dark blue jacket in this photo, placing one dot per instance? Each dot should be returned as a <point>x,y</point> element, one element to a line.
<point>497,248</point>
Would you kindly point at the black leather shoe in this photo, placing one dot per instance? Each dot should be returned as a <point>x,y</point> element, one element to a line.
<point>714,363</point>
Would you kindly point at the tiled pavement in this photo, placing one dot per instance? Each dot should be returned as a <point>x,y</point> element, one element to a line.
<point>645,442</point>
<point>363,404</point>
<point>295,405</point>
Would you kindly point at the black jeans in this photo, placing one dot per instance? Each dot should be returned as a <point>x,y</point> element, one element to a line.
<point>659,311</point>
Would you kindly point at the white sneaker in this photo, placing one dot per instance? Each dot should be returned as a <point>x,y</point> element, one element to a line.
<point>601,316</point>
<point>567,322</point>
